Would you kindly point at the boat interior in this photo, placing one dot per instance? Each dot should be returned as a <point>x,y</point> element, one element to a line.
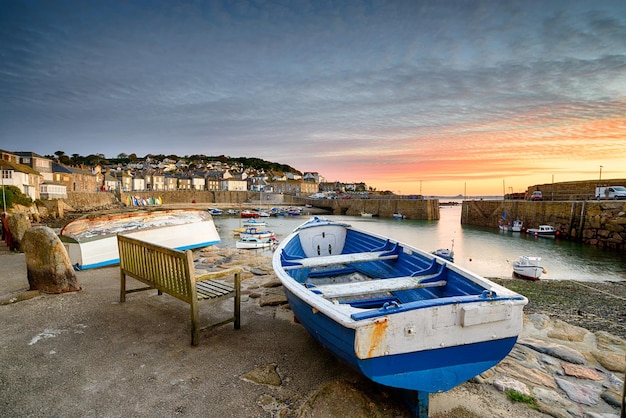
<point>369,273</point>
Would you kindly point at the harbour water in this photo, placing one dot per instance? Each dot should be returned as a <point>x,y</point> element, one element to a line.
<point>485,251</point>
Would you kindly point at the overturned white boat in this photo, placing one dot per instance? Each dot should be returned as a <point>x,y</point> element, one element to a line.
<point>91,242</point>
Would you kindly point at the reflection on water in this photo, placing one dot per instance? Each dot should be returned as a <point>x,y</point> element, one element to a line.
<point>485,251</point>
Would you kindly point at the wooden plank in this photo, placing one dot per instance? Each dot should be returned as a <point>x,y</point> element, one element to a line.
<point>341,259</point>
<point>341,290</point>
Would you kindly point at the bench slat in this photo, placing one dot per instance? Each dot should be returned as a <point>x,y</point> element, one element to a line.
<point>211,289</point>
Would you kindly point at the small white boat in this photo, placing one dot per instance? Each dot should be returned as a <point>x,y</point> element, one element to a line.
<point>528,267</point>
<point>256,232</point>
<point>518,225</point>
<point>398,216</point>
<point>547,231</point>
<point>215,211</point>
<point>91,242</point>
<point>253,222</point>
<point>444,253</point>
<point>402,316</point>
<point>251,243</point>
<point>366,214</point>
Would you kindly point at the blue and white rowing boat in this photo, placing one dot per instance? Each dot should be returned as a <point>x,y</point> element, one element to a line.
<point>91,242</point>
<point>401,316</point>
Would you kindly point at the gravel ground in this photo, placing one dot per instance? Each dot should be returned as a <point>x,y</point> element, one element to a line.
<point>593,306</point>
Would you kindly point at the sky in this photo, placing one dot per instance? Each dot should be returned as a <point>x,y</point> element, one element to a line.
<point>427,97</point>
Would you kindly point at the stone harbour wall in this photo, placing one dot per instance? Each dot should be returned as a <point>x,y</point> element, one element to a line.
<point>599,223</point>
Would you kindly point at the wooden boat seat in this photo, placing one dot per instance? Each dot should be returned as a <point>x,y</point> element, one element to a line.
<point>290,262</point>
<point>341,290</point>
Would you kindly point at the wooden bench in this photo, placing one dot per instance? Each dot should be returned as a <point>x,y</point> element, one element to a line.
<point>172,271</point>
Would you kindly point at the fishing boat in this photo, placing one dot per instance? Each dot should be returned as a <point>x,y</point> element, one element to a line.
<point>215,211</point>
<point>250,243</point>
<point>547,231</point>
<point>528,268</point>
<point>91,242</point>
<point>401,316</point>
<point>515,226</point>
<point>398,215</point>
<point>518,225</point>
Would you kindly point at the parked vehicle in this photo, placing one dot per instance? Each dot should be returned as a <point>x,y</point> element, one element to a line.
<point>611,192</point>
<point>537,195</point>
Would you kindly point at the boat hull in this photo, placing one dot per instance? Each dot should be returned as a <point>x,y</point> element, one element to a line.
<point>403,317</point>
<point>92,242</point>
<point>431,370</point>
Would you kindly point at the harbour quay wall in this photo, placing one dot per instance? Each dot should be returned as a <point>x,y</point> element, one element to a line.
<point>422,209</point>
<point>600,223</point>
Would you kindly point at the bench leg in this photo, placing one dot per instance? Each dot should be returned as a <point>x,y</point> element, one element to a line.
<point>122,287</point>
<point>194,324</point>
<point>237,298</point>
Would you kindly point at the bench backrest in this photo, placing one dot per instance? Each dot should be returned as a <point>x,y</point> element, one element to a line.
<point>165,269</point>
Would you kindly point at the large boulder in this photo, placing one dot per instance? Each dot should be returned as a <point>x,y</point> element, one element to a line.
<point>18,224</point>
<point>48,265</point>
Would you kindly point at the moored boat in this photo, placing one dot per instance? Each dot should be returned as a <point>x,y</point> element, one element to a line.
<point>250,243</point>
<point>528,267</point>
<point>253,222</point>
<point>256,232</point>
<point>91,242</point>
<point>401,316</point>
<point>547,231</point>
<point>518,225</point>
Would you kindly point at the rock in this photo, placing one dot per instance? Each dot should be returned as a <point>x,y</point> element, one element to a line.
<point>555,350</point>
<point>18,224</point>
<point>48,266</point>
<point>272,282</point>
<point>612,398</point>
<point>505,384</point>
<point>584,394</point>
<point>581,372</point>
<point>264,375</point>
<point>272,299</point>
<point>551,397</point>
<point>616,362</point>
<point>339,399</point>
<point>609,342</point>
<point>566,332</point>
<point>522,372</point>
<point>539,321</point>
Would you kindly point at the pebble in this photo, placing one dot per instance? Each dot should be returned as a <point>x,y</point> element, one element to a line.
<point>568,370</point>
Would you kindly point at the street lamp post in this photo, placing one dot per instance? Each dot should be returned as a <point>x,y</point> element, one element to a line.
<point>600,173</point>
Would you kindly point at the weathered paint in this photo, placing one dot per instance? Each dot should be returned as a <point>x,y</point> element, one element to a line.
<point>370,340</point>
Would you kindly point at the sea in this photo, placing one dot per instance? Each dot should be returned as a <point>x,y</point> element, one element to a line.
<point>488,252</point>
